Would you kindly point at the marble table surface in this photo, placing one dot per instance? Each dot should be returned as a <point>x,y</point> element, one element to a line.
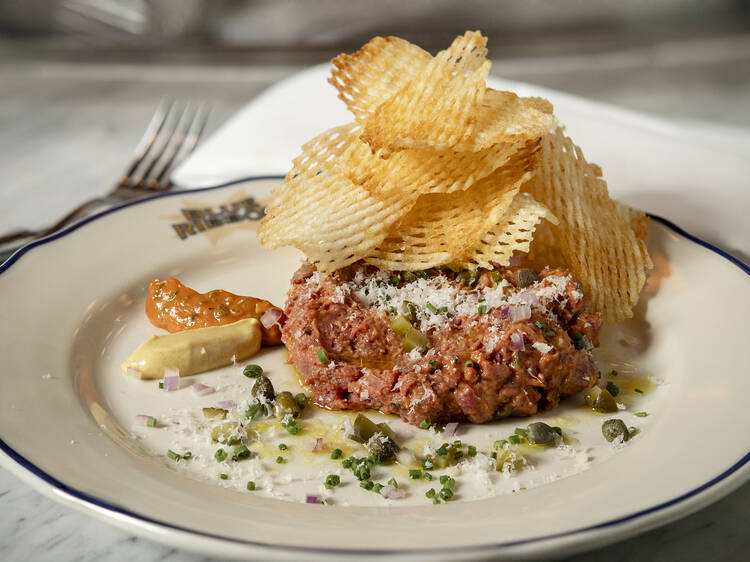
<point>61,143</point>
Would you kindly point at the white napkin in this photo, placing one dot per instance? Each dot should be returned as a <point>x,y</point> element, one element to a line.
<point>696,175</point>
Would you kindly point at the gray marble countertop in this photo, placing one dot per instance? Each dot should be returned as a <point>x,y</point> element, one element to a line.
<point>61,143</point>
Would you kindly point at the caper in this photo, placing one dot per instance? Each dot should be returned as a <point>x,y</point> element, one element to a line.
<point>383,447</point>
<point>409,310</point>
<point>467,277</point>
<point>284,404</point>
<point>263,389</point>
<point>539,433</point>
<point>525,277</point>
<point>614,429</point>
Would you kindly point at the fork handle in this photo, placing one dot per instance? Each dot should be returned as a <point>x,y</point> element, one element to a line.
<point>67,219</point>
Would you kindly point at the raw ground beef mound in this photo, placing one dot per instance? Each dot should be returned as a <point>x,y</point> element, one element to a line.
<point>499,345</point>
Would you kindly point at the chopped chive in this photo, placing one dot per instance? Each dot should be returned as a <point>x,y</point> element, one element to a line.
<point>220,455</point>
<point>493,454</point>
<point>366,484</point>
<point>520,431</point>
<point>641,414</point>
<point>241,453</point>
<point>187,455</point>
<point>612,388</point>
<point>332,480</point>
<point>436,500</point>
<point>290,425</point>
<point>431,308</point>
<point>172,455</point>
<point>613,373</point>
<point>279,460</point>
<point>283,447</point>
<point>161,385</point>
<point>415,474</point>
<point>322,356</point>
<point>442,451</point>
<point>458,454</point>
<point>231,441</point>
<point>377,487</point>
<point>482,309</point>
<point>469,363</point>
<point>252,371</point>
<point>443,479</point>
<point>638,390</point>
<point>499,444</point>
<point>307,331</point>
<point>449,483</point>
<point>434,364</point>
<point>250,486</point>
<point>515,439</point>
<point>224,476</point>
<point>395,280</point>
<point>443,310</point>
<point>446,494</point>
<point>427,475</point>
<point>393,482</point>
<point>347,463</point>
<point>336,454</point>
<point>251,411</point>
<point>425,423</point>
<point>301,399</point>
<point>557,429</point>
<point>430,493</point>
<point>472,451</point>
<point>151,422</point>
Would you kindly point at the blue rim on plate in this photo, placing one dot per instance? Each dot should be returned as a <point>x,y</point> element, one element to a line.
<point>95,503</point>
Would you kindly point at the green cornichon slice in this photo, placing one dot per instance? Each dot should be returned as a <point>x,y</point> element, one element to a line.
<point>411,338</point>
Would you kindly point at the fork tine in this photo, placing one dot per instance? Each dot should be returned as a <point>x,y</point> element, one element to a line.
<point>156,150</point>
<point>153,129</point>
<point>198,125</point>
<point>153,180</point>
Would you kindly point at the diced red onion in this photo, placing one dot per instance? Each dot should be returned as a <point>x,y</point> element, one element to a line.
<point>392,493</point>
<point>348,428</point>
<point>171,382</point>
<point>528,296</point>
<point>202,389</point>
<point>317,445</point>
<point>515,312</point>
<point>313,498</point>
<point>514,261</point>
<point>450,429</point>
<point>271,318</point>
<point>516,341</point>
<point>227,404</point>
<point>142,419</point>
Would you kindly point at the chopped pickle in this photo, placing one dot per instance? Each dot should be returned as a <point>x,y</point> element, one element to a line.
<point>409,311</point>
<point>363,429</point>
<point>211,413</point>
<point>411,338</point>
<point>223,432</point>
<point>263,389</point>
<point>600,400</point>
<point>467,277</point>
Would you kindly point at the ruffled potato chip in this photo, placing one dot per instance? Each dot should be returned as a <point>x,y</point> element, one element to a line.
<point>377,71</point>
<point>594,239</point>
<point>451,86</point>
<point>440,227</point>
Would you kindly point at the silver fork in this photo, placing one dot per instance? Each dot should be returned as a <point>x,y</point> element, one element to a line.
<point>171,135</point>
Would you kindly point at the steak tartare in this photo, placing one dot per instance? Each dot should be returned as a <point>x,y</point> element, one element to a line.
<point>438,346</point>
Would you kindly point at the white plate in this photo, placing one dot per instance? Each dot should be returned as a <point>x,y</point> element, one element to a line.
<point>71,309</point>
